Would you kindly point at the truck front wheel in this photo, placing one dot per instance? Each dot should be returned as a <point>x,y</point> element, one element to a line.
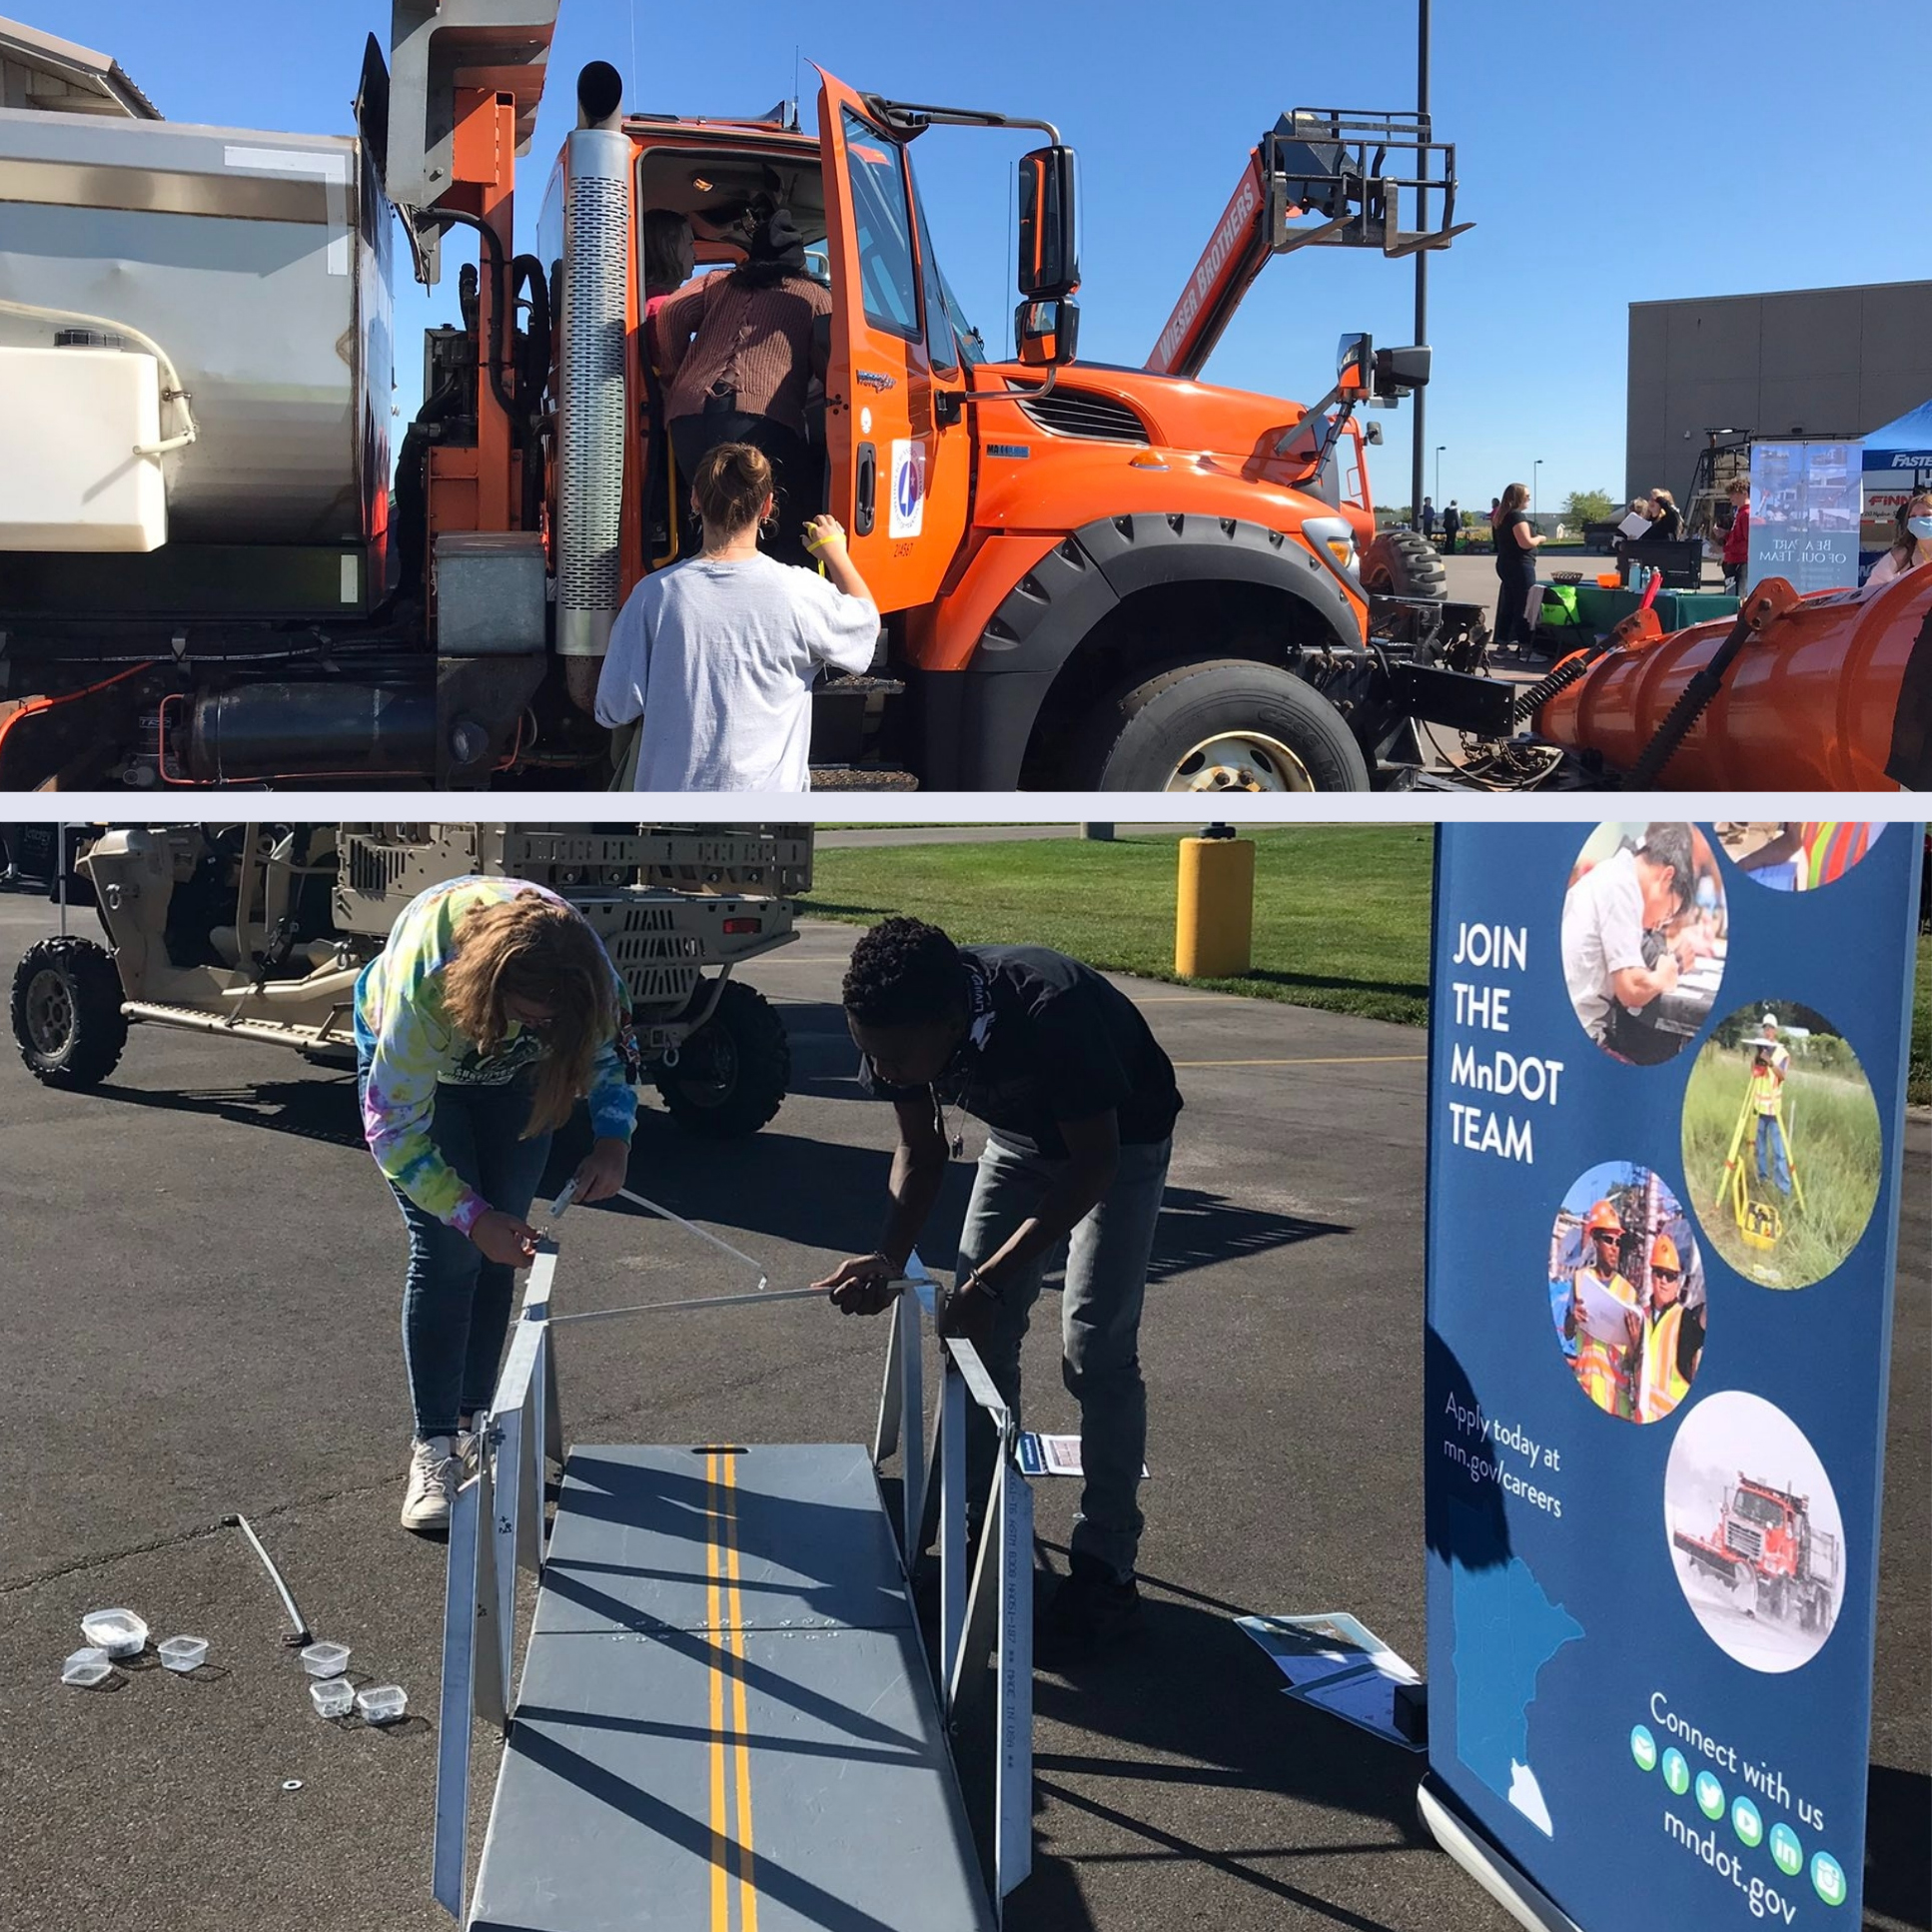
<point>1219,724</point>
<point>733,1072</point>
<point>67,1016</point>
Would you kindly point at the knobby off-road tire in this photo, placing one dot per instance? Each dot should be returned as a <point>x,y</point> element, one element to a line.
<point>1405,563</point>
<point>67,1017</point>
<point>1219,724</point>
<point>732,1074</point>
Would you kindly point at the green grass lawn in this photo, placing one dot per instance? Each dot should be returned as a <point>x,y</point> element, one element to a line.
<point>1340,912</point>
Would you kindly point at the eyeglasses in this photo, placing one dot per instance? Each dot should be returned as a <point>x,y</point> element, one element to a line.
<point>1666,1274</point>
<point>1604,1234</point>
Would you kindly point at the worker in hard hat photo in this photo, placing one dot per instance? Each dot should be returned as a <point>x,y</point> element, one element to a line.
<point>1604,1353</point>
<point>491,1011</point>
<point>1770,1063</point>
<point>1079,1101</point>
<point>1672,1341</point>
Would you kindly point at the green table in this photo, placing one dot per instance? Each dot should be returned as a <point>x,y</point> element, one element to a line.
<point>1602,610</point>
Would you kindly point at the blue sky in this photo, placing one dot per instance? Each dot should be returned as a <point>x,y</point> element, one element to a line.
<point>1608,154</point>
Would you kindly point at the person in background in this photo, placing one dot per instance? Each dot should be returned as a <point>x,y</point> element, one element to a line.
<point>1428,519</point>
<point>1451,524</point>
<point>717,654</point>
<point>737,355</point>
<point>1666,520</point>
<point>1516,544</point>
<point>491,1011</point>
<point>670,255</point>
<point>1495,511</point>
<point>1913,547</point>
<point>1737,539</point>
<point>1081,1103</point>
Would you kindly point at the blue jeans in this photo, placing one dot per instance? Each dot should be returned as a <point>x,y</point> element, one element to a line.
<point>1772,1163</point>
<point>1100,1327</point>
<point>456,1304</point>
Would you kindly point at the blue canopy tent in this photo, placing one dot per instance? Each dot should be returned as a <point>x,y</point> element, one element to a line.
<point>1898,462</point>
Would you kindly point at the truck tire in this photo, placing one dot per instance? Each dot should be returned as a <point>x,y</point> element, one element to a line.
<point>1219,724</point>
<point>732,1074</point>
<point>67,1016</point>
<point>1403,563</point>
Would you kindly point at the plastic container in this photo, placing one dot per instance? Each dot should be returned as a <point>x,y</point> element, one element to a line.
<point>382,1703</point>
<point>184,1654</point>
<point>119,1632</point>
<point>325,1659</point>
<point>86,1667</point>
<point>1607,579</point>
<point>333,1696</point>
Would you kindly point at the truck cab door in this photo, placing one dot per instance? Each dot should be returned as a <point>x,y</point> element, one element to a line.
<point>900,473</point>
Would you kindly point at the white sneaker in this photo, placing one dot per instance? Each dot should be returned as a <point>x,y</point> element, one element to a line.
<point>433,1473</point>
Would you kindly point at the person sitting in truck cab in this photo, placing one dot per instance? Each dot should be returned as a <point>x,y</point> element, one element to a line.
<point>738,358</point>
<point>669,253</point>
<point>717,654</point>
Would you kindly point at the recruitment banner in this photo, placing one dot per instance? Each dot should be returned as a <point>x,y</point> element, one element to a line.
<point>1666,1095</point>
<point>1805,505</point>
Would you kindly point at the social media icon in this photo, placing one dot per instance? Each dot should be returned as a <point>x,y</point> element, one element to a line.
<point>1677,1773</point>
<point>1829,1878</point>
<point>1746,1822</point>
<point>1710,1795</point>
<point>1786,1852</point>
<point>1643,1747</point>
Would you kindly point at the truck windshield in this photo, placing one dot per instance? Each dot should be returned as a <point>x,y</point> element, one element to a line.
<point>1756,1509</point>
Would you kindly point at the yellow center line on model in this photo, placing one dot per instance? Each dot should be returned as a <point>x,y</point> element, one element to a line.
<point>724,1617</point>
<point>720,1881</point>
<point>747,1891</point>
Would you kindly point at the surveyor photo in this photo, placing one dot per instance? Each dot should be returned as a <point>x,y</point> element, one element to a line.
<point>1781,1144</point>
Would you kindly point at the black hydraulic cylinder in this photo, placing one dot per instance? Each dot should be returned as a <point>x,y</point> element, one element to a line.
<point>291,731</point>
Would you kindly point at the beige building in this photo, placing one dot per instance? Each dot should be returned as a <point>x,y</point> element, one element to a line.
<point>1815,363</point>
<point>40,70</point>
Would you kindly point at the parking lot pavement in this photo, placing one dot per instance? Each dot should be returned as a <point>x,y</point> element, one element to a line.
<point>200,1302</point>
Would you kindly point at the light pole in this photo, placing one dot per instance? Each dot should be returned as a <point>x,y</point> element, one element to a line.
<point>1440,448</point>
<point>1536,482</point>
<point>1419,441</point>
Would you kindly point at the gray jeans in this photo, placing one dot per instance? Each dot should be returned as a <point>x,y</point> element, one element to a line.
<point>1100,1326</point>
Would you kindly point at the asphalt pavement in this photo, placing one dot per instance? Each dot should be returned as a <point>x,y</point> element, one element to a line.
<point>199,1308</point>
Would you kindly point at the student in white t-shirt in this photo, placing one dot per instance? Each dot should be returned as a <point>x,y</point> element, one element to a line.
<point>717,654</point>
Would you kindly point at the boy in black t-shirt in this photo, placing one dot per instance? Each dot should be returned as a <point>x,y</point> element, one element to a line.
<point>1081,1101</point>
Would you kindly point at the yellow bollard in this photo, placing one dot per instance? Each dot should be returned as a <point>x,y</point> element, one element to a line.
<point>1213,911</point>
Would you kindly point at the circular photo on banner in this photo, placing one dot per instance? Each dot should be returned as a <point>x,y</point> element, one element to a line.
<point>1645,935</point>
<point>1793,856</point>
<point>1781,1144</point>
<point>1626,1292</point>
<point>1756,1537</point>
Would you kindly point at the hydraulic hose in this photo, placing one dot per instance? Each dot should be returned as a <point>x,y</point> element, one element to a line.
<point>171,392</point>
<point>496,357</point>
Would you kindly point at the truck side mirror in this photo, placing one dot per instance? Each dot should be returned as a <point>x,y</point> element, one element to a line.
<point>1047,333</point>
<point>1400,371</point>
<point>1352,357</point>
<point>1049,265</point>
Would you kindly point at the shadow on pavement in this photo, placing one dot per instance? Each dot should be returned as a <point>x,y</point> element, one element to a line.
<point>1898,1879</point>
<point>1191,1687</point>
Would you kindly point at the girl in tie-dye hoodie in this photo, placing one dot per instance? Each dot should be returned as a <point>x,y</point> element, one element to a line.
<point>490,1012</point>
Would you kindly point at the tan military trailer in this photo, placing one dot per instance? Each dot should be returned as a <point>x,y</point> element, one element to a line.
<point>257,932</point>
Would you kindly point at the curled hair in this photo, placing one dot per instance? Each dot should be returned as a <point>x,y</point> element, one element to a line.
<point>528,947</point>
<point>1905,545</point>
<point>905,971</point>
<point>731,484</point>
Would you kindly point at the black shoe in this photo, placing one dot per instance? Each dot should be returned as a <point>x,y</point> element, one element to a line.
<point>1092,1611</point>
